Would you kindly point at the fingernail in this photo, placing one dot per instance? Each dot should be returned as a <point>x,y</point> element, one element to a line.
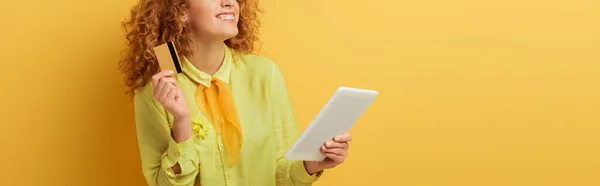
<point>328,144</point>
<point>337,138</point>
<point>170,72</point>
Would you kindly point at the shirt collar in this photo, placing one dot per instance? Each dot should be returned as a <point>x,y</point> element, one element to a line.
<point>203,78</point>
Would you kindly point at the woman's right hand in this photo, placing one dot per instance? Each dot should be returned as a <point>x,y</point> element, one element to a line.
<point>168,94</point>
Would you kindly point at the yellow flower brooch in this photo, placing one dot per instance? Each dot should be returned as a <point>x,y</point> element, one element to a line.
<point>200,127</point>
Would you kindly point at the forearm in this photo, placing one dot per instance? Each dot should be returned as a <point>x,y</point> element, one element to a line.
<point>294,173</point>
<point>182,129</point>
<point>180,132</point>
<point>178,164</point>
<point>311,167</point>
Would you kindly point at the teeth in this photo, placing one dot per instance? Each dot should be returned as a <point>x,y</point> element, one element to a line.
<point>226,17</point>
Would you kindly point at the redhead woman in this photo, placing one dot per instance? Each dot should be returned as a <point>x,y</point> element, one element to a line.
<point>226,119</point>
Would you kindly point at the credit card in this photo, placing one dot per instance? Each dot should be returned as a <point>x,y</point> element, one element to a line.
<point>167,57</point>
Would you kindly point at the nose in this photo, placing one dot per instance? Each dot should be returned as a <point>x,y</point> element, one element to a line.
<point>227,3</point>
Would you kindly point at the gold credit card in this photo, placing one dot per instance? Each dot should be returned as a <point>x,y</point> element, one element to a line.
<point>167,57</point>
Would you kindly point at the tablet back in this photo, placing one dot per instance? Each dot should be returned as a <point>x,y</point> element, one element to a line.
<point>337,116</point>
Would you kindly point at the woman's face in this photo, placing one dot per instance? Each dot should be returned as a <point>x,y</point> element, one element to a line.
<point>214,19</point>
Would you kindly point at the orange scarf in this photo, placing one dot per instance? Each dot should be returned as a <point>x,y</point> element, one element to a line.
<point>217,105</point>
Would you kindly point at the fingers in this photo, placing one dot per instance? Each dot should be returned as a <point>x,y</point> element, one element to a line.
<point>337,159</point>
<point>165,91</point>
<point>160,87</point>
<point>159,75</point>
<point>170,80</point>
<point>344,137</point>
<point>169,94</point>
<point>177,93</point>
<point>164,80</point>
<point>332,144</point>
<point>337,151</point>
<point>162,83</point>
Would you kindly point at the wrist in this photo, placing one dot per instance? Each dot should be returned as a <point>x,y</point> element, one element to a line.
<point>182,129</point>
<point>312,167</point>
<point>181,120</point>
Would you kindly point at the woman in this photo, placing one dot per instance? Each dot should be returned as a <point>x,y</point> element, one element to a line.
<point>226,119</point>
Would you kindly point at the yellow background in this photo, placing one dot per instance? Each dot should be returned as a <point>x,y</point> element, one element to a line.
<point>472,92</point>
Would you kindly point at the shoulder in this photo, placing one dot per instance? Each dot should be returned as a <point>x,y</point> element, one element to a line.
<point>144,93</point>
<point>144,101</point>
<point>258,65</point>
<point>256,62</point>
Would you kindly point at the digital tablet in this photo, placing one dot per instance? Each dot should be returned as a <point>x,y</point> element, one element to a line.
<point>336,117</point>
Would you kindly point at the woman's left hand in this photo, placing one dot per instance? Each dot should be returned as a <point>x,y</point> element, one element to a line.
<point>335,151</point>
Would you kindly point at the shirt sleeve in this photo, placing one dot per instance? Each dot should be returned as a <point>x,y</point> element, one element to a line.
<point>159,152</point>
<point>288,173</point>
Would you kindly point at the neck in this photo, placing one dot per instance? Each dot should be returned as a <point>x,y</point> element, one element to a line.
<point>208,56</point>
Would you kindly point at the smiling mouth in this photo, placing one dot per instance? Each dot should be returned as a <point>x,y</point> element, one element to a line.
<point>226,17</point>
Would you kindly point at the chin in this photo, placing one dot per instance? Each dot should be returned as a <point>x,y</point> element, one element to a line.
<point>229,35</point>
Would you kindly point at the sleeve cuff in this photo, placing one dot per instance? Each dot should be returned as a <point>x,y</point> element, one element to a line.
<point>181,153</point>
<point>299,172</point>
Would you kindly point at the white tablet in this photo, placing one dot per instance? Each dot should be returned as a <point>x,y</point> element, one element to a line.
<point>337,116</point>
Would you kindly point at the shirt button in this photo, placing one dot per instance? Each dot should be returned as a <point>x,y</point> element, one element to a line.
<point>177,154</point>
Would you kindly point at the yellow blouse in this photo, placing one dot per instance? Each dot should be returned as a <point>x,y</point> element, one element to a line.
<point>267,120</point>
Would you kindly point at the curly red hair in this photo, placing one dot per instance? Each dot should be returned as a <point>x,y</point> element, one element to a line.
<point>154,22</point>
